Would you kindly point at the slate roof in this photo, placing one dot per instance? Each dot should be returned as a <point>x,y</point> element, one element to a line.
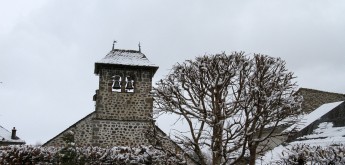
<point>122,58</point>
<point>5,137</point>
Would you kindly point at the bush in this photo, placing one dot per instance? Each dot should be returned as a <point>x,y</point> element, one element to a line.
<point>307,154</point>
<point>26,154</point>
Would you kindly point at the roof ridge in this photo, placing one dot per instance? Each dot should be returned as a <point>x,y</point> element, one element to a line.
<point>316,90</point>
<point>126,50</point>
<point>70,127</point>
<point>4,129</point>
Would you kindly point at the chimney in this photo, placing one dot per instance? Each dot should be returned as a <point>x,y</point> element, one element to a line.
<point>14,131</point>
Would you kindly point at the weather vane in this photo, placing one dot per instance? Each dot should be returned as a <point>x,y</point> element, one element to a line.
<point>114,44</point>
<point>139,47</point>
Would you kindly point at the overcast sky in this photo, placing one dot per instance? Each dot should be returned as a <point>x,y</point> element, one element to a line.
<point>48,47</point>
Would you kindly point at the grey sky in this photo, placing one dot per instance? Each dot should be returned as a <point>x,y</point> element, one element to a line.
<point>48,47</point>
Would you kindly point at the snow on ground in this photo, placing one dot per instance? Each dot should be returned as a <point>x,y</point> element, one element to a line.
<point>324,135</point>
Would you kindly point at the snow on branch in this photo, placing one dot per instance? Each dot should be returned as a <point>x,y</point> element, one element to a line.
<point>237,101</point>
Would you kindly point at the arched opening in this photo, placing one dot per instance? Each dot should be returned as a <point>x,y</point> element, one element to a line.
<point>130,84</point>
<point>116,83</point>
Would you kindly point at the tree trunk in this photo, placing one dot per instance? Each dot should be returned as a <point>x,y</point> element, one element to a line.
<point>217,128</point>
<point>252,155</point>
<point>217,148</point>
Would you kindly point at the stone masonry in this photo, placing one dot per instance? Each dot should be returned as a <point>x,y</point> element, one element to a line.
<point>312,98</point>
<point>135,105</point>
<point>123,103</point>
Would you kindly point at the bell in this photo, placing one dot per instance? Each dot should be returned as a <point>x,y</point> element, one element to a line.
<point>129,85</point>
<point>116,83</point>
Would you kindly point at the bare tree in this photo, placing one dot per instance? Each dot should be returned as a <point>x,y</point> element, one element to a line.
<point>219,96</point>
<point>269,98</point>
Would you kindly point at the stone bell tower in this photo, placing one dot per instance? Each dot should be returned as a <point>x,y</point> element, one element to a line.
<point>124,105</point>
<point>123,101</point>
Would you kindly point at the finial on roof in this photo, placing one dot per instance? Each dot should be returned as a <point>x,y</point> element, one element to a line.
<point>114,44</point>
<point>139,47</point>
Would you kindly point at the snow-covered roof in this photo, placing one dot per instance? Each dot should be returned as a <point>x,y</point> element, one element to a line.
<point>122,57</point>
<point>5,136</point>
<point>311,117</point>
<point>126,57</point>
<point>325,135</point>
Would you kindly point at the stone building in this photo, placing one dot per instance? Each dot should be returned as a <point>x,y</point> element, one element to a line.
<point>322,127</point>
<point>312,100</point>
<point>123,103</point>
<point>333,113</point>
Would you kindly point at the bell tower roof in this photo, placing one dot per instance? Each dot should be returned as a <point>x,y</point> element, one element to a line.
<point>125,59</point>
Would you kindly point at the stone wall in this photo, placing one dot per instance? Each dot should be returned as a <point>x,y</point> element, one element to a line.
<point>315,98</point>
<point>120,133</point>
<point>82,133</point>
<point>121,117</point>
<point>114,105</point>
<point>104,133</point>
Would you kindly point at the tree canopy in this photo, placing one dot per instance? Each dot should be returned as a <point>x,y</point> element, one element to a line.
<point>231,103</point>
